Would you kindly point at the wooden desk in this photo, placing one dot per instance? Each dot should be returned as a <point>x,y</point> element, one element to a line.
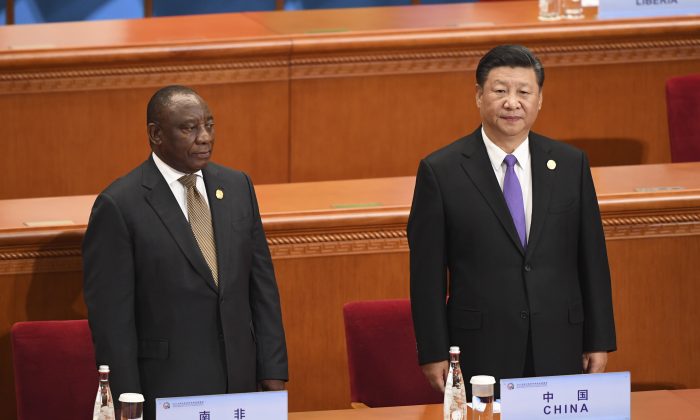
<point>328,252</point>
<point>651,405</point>
<point>324,94</point>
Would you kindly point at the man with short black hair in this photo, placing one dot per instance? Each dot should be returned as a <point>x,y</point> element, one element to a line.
<point>511,218</point>
<point>178,279</point>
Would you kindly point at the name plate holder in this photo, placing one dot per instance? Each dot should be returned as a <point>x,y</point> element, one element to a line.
<point>243,406</point>
<point>590,396</point>
<point>614,9</point>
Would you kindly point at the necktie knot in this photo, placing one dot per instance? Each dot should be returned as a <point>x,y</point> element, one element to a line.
<point>510,160</point>
<point>188,180</point>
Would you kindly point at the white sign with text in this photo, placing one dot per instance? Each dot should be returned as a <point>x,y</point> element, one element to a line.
<point>245,406</point>
<point>614,9</point>
<point>600,396</point>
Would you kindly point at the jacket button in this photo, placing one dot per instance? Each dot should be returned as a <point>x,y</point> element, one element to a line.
<point>528,268</point>
<point>523,314</point>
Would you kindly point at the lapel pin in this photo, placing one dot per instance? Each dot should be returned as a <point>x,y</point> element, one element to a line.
<point>220,193</point>
<point>550,164</point>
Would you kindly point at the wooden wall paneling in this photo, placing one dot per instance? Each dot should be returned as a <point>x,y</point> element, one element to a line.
<point>76,117</point>
<point>252,128</point>
<point>328,94</point>
<point>85,140</point>
<point>40,279</point>
<point>313,291</point>
<point>378,102</point>
<point>599,109</point>
<point>375,125</point>
<point>655,291</point>
<point>71,142</point>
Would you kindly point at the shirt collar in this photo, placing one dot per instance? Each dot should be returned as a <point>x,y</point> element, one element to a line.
<point>496,154</point>
<point>169,173</point>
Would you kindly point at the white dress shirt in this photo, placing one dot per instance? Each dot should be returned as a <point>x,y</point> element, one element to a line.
<point>172,176</point>
<point>522,171</point>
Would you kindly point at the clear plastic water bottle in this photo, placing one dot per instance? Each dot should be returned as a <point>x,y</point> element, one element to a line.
<point>104,405</point>
<point>455,403</point>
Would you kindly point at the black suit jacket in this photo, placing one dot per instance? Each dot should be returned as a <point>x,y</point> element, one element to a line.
<point>558,289</point>
<point>157,318</point>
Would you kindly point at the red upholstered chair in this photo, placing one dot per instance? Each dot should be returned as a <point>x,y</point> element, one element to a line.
<point>55,372</point>
<point>683,107</point>
<point>382,356</point>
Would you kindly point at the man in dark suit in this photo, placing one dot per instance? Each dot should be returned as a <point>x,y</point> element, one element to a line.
<point>178,279</point>
<point>511,217</point>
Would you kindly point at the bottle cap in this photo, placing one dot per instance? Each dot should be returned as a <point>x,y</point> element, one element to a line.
<point>130,397</point>
<point>454,349</point>
<point>482,380</point>
<point>104,369</point>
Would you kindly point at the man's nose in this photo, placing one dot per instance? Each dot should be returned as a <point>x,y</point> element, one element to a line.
<point>512,101</point>
<point>203,134</point>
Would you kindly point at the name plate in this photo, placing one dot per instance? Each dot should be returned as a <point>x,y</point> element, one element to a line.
<point>647,8</point>
<point>244,406</point>
<point>591,396</point>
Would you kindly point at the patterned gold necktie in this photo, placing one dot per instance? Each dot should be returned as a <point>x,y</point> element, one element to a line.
<point>200,222</point>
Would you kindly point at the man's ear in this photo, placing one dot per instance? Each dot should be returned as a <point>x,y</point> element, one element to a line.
<point>539,103</point>
<point>154,133</point>
<point>479,94</point>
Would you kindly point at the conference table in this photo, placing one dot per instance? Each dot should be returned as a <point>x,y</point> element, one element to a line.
<point>649,405</point>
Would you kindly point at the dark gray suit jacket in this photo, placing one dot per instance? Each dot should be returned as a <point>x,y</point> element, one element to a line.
<point>157,318</point>
<point>558,289</point>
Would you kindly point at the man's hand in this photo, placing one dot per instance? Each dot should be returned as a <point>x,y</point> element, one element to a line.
<point>271,385</point>
<point>595,362</point>
<point>437,374</point>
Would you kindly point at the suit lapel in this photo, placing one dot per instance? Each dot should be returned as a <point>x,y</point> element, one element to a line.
<point>220,206</point>
<point>478,167</point>
<point>541,187</point>
<point>160,198</point>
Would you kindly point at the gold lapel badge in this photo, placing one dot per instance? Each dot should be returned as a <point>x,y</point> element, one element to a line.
<point>550,164</point>
<point>220,193</point>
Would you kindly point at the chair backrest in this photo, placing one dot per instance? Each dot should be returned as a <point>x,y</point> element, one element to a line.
<point>55,372</point>
<point>683,107</point>
<point>382,356</point>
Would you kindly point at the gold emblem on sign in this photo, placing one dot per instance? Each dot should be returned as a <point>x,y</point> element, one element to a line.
<point>551,164</point>
<point>220,193</point>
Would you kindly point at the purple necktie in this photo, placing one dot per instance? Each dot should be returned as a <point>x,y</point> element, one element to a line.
<point>514,198</point>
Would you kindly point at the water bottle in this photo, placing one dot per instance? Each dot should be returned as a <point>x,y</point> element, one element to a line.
<point>104,405</point>
<point>455,403</point>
